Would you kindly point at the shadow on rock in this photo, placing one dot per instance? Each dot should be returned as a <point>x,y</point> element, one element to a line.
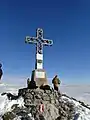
<point>11,96</point>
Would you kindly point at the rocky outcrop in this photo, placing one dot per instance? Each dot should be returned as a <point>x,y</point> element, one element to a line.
<point>55,106</point>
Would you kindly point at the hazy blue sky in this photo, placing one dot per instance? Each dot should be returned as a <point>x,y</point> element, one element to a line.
<point>66,22</point>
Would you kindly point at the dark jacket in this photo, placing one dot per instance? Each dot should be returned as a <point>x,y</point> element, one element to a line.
<point>1,73</point>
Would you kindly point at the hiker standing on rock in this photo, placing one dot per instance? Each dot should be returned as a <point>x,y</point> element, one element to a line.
<point>56,82</point>
<point>1,72</point>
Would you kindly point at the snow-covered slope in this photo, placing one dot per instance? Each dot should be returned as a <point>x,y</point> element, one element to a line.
<point>6,105</point>
<point>82,113</point>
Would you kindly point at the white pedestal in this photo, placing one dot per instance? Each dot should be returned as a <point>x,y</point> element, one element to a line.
<point>39,76</point>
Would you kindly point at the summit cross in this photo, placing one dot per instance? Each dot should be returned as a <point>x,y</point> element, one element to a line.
<point>40,42</point>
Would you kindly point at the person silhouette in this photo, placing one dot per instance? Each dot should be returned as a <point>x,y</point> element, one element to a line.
<point>1,72</point>
<point>56,82</point>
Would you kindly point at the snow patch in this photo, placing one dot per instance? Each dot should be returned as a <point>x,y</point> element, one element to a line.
<point>82,112</point>
<point>17,118</point>
<point>6,105</point>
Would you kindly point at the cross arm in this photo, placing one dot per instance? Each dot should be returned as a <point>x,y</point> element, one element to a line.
<point>47,42</point>
<point>29,39</point>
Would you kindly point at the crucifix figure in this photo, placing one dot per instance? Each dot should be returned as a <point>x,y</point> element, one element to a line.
<point>40,42</point>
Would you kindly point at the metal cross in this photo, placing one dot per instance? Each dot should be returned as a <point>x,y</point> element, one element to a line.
<point>39,41</point>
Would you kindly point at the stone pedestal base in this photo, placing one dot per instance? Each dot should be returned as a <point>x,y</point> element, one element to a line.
<point>39,76</point>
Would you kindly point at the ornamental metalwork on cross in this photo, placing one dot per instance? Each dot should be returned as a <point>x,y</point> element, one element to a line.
<point>39,41</point>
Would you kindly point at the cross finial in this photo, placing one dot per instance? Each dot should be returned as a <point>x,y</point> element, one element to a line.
<point>39,33</point>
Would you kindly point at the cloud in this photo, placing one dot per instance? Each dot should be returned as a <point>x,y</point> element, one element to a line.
<point>14,79</point>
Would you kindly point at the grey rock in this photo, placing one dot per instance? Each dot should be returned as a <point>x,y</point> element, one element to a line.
<point>55,108</point>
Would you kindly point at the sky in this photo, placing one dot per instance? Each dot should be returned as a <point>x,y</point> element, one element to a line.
<point>66,22</point>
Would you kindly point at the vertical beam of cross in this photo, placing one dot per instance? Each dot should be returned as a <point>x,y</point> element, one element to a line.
<point>40,42</point>
<point>39,35</point>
